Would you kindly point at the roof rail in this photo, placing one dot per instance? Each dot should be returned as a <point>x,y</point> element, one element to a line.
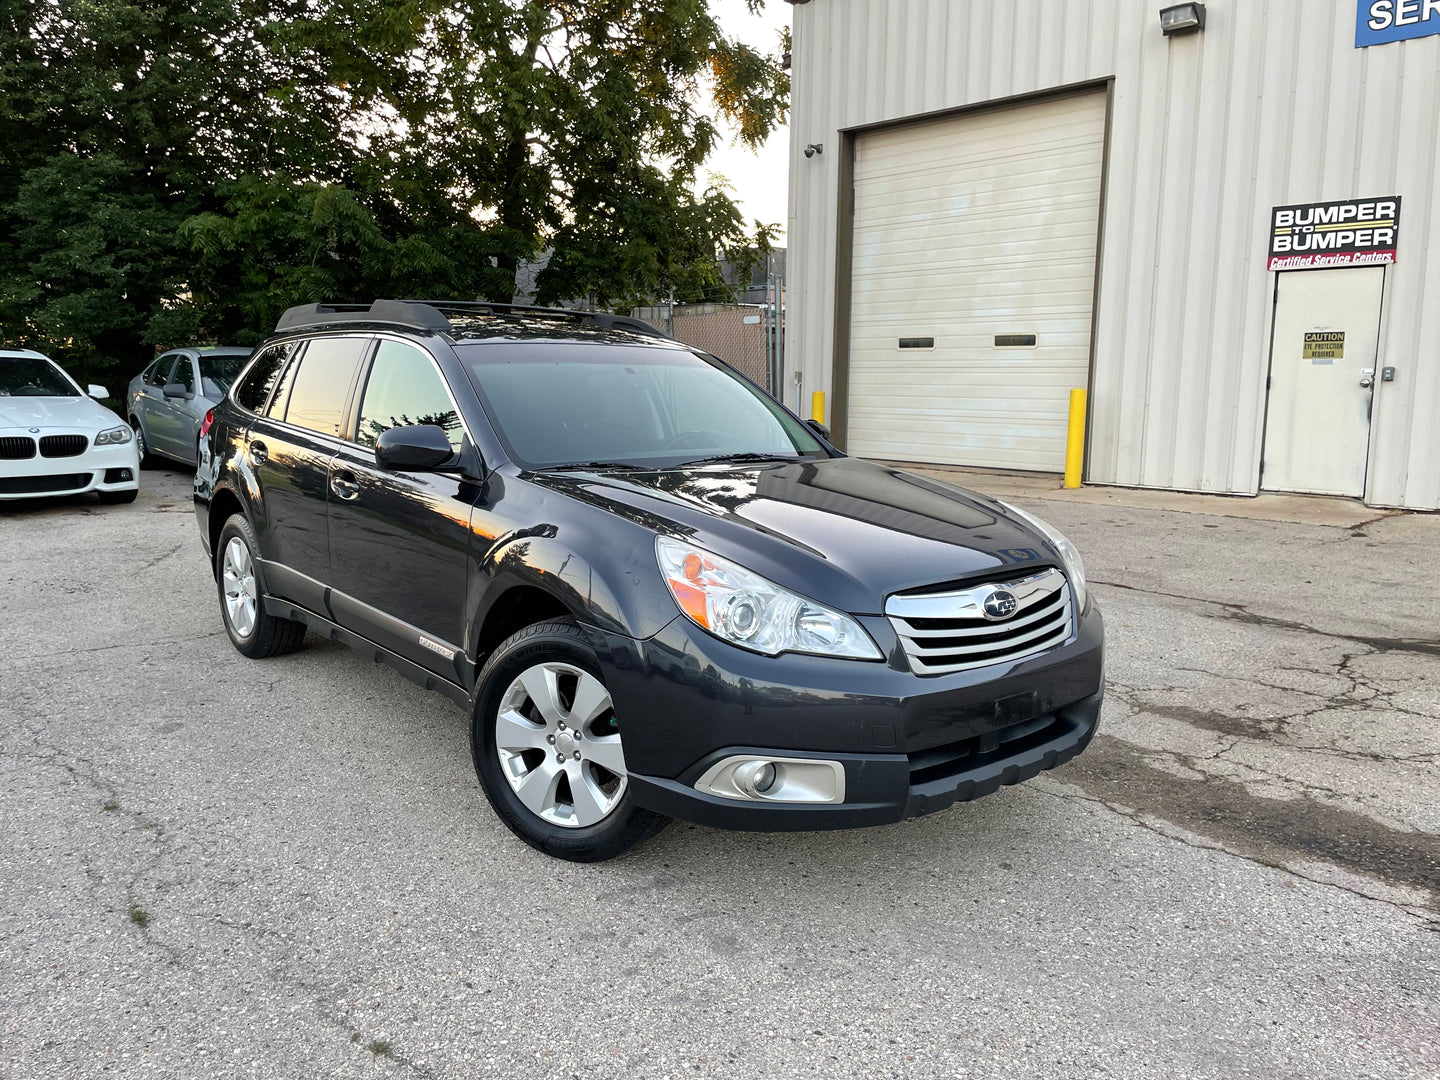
<point>601,319</point>
<point>417,316</point>
<point>430,315</point>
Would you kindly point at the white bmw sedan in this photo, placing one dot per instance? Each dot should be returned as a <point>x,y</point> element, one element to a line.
<point>56,440</point>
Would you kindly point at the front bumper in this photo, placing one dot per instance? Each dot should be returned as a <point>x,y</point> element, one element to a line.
<point>908,745</point>
<point>98,468</point>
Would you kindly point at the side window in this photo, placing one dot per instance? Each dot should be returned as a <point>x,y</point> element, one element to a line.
<point>159,372</point>
<point>317,397</point>
<point>276,411</point>
<point>405,388</point>
<point>254,392</point>
<point>184,373</point>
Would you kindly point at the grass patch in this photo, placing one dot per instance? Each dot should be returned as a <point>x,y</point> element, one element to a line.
<point>380,1048</point>
<point>139,916</point>
<point>110,807</point>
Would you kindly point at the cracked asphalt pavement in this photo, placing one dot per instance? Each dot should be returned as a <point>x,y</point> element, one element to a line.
<point>216,867</point>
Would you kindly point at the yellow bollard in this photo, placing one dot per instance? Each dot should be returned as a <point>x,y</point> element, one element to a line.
<point>817,406</point>
<point>1075,440</point>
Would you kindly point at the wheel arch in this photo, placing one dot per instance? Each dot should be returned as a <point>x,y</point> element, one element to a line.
<point>223,505</point>
<point>515,605</point>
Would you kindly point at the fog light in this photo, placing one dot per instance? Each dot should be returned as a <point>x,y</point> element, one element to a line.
<point>755,778</point>
<point>750,778</point>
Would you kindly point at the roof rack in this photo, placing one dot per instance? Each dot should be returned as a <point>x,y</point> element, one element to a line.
<point>431,315</point>
<point>394,312</point>
<point>602,320</point>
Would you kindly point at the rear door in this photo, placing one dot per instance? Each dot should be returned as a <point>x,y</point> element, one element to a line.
<point>289,451</point>
<point>399,541</point>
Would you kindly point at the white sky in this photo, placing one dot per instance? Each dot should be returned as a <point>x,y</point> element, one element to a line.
<point>759,179</point>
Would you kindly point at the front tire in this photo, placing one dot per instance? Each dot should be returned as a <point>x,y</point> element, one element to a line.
<point>147,459</point>
<point>242,600</point>
<point>547,748</point>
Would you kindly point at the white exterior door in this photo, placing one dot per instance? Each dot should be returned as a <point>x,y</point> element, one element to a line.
<point>1322,375</point>
<point>973,279</point>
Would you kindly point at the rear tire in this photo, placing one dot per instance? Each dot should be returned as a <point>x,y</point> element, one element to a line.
<point>546,746</point>
<point>242,597</point>
<point>116,497</point>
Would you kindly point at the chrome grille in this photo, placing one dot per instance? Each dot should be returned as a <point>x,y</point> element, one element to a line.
<point>950,631</point>
<point>63,445</point>
<point>16,447</point>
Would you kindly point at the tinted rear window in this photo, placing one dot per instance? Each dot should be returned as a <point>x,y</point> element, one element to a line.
<point>318,397</point>
<point>254,391</point>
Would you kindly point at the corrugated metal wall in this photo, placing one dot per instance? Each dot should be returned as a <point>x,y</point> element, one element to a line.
<point>1270,105</point>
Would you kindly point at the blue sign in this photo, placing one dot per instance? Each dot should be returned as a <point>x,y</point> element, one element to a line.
<point>1379,22</point>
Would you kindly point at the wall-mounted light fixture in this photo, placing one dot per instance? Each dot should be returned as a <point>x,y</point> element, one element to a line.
<point>814,148</point>
<point>1182,19</point>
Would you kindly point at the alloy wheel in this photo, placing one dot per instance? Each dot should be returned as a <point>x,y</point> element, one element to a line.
<point>238,575</point>
<point>139,439</point>
<point>559,745</point>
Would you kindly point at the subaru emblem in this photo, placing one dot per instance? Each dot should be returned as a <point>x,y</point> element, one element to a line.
<point>1000,604</point>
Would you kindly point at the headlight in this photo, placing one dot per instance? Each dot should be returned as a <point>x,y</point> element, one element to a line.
<point>747,610</point>
<point>114,436</point>
<point>1069,556</point>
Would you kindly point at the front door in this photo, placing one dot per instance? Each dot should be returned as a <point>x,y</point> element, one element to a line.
<point>163,414</point>
<point>1322,377</point>
<point>399,541</point>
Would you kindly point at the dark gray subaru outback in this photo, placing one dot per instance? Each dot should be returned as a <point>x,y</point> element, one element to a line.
<point>658,592</point>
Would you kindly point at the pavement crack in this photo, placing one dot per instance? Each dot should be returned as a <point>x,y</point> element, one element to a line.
<point>1427,920</point>
<point>1241,613</point>
<point>1268,830</point>
<point>119,645</point>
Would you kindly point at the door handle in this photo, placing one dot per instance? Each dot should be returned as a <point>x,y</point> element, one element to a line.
<point>258,453</point>
<point>344,485</point>
<point>1366,381</point>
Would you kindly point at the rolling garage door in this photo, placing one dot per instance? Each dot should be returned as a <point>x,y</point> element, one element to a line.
<point>973,284</point>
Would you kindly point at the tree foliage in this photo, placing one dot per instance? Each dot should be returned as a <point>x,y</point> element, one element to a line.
<point>179,170</point>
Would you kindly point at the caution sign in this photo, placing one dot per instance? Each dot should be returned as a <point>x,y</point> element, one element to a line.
<point>1316,236</point>
<point>1325,346</point>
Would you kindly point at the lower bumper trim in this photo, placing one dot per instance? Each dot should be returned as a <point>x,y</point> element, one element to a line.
<point>878,787</point>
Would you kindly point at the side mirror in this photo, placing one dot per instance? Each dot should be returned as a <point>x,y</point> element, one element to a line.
<point>415,448</point>
<point>819,429</point>
<point>175,390</point>
<point>97,391</point>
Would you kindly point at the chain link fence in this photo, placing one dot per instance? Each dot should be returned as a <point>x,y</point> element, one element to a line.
<point>749,337</point>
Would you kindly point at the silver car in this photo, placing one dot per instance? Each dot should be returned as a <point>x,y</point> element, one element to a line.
<point>168,401</point>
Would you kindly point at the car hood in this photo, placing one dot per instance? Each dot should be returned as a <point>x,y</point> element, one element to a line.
<point>55,412</point>
<point>843,531</point>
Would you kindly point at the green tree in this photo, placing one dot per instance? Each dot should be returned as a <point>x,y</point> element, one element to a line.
<point>184,169</point>
<point>581,126</point>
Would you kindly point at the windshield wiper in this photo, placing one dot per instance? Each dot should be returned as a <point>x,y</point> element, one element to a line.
<point>746,456</point>
<point>593,465</point>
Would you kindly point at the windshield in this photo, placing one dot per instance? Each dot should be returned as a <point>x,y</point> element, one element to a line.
<point>30,376</point>
<point>571,403</point>
<point>221,369</point>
